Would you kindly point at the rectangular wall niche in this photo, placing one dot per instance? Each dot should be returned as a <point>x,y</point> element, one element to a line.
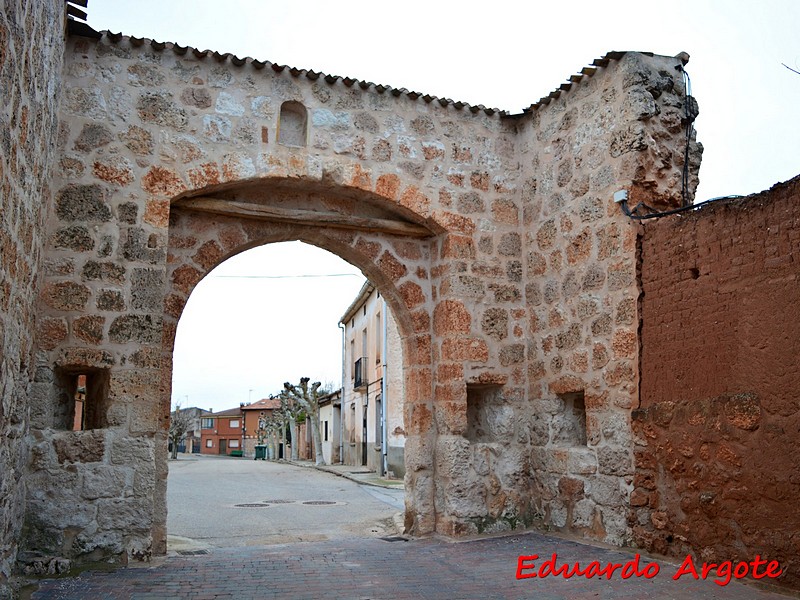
<point>569,425</point>
<point>488,418</point>
<point>83,398</point>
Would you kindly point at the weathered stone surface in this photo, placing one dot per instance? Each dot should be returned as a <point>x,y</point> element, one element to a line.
<point>65,295</point>
<point>494,305</point>
<point>142,329</point>
<point>93,136</point>
<point>89,328</point>
<point>82,203</point>
<point>80,446</point>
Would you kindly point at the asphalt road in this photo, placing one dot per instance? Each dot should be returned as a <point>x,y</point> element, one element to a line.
<point>205,495</point>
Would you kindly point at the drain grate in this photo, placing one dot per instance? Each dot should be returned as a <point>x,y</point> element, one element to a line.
<point>192,552</point>
<point>252,505</point>
<point>393,538</point>
<point>279,501</point>
<point>319,502</point>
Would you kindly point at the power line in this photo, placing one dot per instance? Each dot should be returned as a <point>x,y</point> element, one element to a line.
<point>285,276</point>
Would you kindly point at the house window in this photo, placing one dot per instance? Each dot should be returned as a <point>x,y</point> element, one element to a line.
<point>326,431</point>
<point>209,443</point>
<point>353,359</point>
<point>207,423</point>
<point>234,423</point>
<point>233,443</point>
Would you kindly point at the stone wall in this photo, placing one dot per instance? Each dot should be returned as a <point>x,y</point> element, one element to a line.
<point>551,282</point>
<point>31,54</point>
<point>493,238</point>
<point>716,435</point>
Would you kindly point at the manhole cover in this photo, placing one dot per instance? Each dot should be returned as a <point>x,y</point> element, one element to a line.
<point>319,502</point>
<point>279,501</point>
<point>252,505</point>
<point>192,552</point>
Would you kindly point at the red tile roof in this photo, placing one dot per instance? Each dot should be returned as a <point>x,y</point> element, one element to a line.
<point>263,404</point>
<point>585,73</point>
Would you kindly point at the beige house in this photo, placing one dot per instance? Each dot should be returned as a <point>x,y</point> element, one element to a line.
<point>372,432</point>
<point>330,426</point>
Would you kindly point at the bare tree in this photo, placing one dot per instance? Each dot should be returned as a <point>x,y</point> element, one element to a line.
<point>307,398</point>
<point>179,424</point>
<point>269,427</point>
<point>292,410</point>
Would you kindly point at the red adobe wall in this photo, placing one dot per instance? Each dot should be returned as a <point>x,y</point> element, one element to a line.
<point>718,430</point>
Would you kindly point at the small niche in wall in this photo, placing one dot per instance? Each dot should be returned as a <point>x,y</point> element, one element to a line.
<point>293,124</point>
<point>569,425</point>
<point>83,398</point>
<point>488,418</point>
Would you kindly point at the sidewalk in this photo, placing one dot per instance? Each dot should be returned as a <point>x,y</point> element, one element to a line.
<point>361,475</point>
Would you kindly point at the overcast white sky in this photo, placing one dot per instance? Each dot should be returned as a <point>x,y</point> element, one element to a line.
<point>502,54</point>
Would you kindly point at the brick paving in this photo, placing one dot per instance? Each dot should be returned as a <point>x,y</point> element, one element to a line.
<point>374,569</point>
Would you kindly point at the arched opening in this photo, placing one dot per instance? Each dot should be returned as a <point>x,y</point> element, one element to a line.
<point>293,124</point>
<point>252,322</point>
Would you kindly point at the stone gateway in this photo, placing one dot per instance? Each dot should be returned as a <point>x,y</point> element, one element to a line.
<point>131,168</point>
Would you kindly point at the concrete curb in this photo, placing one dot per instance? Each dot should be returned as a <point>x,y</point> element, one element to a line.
<point>346,476</point>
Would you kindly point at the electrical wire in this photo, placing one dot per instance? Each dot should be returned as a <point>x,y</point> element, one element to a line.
<point>689,115</point>
<point>653,214</point>
<point>285,276</point>
<point>687,94</point>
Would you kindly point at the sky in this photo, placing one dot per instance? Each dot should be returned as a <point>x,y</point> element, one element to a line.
<point>502,54</point>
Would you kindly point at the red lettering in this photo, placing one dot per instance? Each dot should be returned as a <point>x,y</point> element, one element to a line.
<point>609,569</point>
<point>631,568</point>
<point>707,567</point>
<point>723,570</point>
<point>757,562</point>
<point>687,566</point>
<point>526,562</point>
<point>576,570</point>
<point>736,572</point>
<point>549,568</point>
<point>771,569</point>
<point>651,570</point>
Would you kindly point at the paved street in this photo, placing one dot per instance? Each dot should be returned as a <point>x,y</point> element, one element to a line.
<point>283,503</point>
<point>291,550</point>
<point>375,569</point>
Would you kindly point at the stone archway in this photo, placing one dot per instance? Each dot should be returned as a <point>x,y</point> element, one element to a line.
<point>394,254</point>
<point>519,311</point>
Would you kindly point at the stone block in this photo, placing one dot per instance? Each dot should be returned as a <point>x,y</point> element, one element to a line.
<point>132,451</point>
<point>85,203</point>
<point>142,329</point>
<point>103,482</point>
<point>66,295</point>
<point>80,446</point>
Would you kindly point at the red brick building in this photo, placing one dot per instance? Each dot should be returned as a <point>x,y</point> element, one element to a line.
<point>221,433</point>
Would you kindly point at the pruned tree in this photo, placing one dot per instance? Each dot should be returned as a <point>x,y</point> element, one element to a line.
<point>307,398</point>
<point>269,427</point>
<point>179,424</point>
<point>292,410</point>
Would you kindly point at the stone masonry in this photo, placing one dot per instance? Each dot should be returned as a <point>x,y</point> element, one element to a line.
<point>494,238</point>
<point>31,55</point>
